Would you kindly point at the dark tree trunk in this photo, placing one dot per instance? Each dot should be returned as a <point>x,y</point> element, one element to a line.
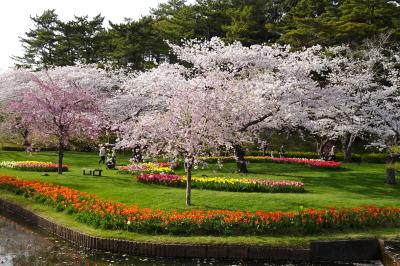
<point>60,156</point>
<point>322,145</point>
<point>391,171</point>
<point>25,135</point>
<point>240,161</point>
<point>347,143</point>
<point>347,155</point>
<point>189,168</point>
<point>137,154</point>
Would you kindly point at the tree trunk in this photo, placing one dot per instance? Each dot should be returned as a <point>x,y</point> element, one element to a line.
<point>347,143</point>
<point>391,171</point>
<point>25,135</point>
<point>60,156</point>
<point>321,147</point>
<point>347,155</point>
<point>137,154</point>
<point>240,161</point>
<point>189,167</point>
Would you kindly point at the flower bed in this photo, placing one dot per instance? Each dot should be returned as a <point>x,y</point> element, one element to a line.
<point>32,166</point>
<point>310,162</point>
<point>260,159</point>
<point>138,168</point>
<point>90,209</point>
<point>224,184</point>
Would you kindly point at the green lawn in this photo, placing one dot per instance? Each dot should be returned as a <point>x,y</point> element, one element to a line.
<point>353,185</point>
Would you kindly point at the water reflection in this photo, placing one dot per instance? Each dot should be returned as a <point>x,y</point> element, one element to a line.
<point>21,245</point>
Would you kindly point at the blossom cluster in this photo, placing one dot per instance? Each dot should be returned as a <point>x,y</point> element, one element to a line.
<point>224,184</point>
<point>91,209</point>
<point>32,166</point>
<point>137,168</point>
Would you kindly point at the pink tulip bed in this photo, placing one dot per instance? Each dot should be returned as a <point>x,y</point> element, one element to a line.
<point>309,162</point>
<point>225,184</point>
<point>262,159</point>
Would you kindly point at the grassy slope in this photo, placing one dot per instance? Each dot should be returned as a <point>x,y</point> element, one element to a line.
<point>355,185</point>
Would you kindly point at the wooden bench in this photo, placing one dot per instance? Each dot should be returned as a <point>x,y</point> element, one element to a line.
<point>92,171</point>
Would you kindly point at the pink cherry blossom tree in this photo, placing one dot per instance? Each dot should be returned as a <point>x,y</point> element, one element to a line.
<point>12,124</point>
<point>62,102</point>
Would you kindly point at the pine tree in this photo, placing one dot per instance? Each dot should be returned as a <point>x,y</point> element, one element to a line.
<point>40,43</point>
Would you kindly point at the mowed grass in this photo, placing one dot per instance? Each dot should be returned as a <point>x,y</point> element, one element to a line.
<point>351,186</point>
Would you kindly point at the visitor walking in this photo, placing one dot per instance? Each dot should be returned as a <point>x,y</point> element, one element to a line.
<point>102,154</point>
<point>29,149</point>
<point>332,155</point>
<point>282,152</point>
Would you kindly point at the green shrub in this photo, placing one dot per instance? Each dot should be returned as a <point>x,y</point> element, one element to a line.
<point>374,157</point>
<point>13,148</point>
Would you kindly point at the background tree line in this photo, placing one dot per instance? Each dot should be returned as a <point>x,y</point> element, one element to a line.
<point>141,44</point>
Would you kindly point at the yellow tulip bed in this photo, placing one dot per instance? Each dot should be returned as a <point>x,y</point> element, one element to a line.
<point>225,184</point>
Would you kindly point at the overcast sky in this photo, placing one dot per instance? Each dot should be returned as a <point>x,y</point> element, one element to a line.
<point>15,17</point>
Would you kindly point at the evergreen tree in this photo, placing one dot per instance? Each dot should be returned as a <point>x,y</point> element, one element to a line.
<point>83,40</point>
<point>242,27</point>
<point>333,22</point>
<point>361,19</point>
<point>53,42</point>
<point>136,44</point>
<point>308,23</point>
<point>212,15</point>
<point>40,42</point>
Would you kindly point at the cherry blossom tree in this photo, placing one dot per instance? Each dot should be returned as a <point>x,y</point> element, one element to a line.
<point>384,106</point>
<point>16,126</point>
<point>13,124</point>
<point>348,82</point>
<point>324,91</point>
<point>187,128</point>
<point>263,86</point>
<point>62,102</point>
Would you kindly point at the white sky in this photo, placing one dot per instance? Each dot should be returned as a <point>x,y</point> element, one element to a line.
<point>15,17</point>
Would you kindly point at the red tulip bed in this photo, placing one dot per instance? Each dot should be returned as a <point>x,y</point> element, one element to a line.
<point>92,210</point>
<point>224,184</point>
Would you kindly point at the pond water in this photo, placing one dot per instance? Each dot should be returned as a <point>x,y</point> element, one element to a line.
<point>23,245</point>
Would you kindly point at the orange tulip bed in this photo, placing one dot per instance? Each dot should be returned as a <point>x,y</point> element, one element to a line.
<point>92,210</point>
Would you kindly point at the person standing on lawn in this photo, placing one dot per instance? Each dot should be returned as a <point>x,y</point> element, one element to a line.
<point>332,155</point>
<point>282,152</point>
<point>102,154</point>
